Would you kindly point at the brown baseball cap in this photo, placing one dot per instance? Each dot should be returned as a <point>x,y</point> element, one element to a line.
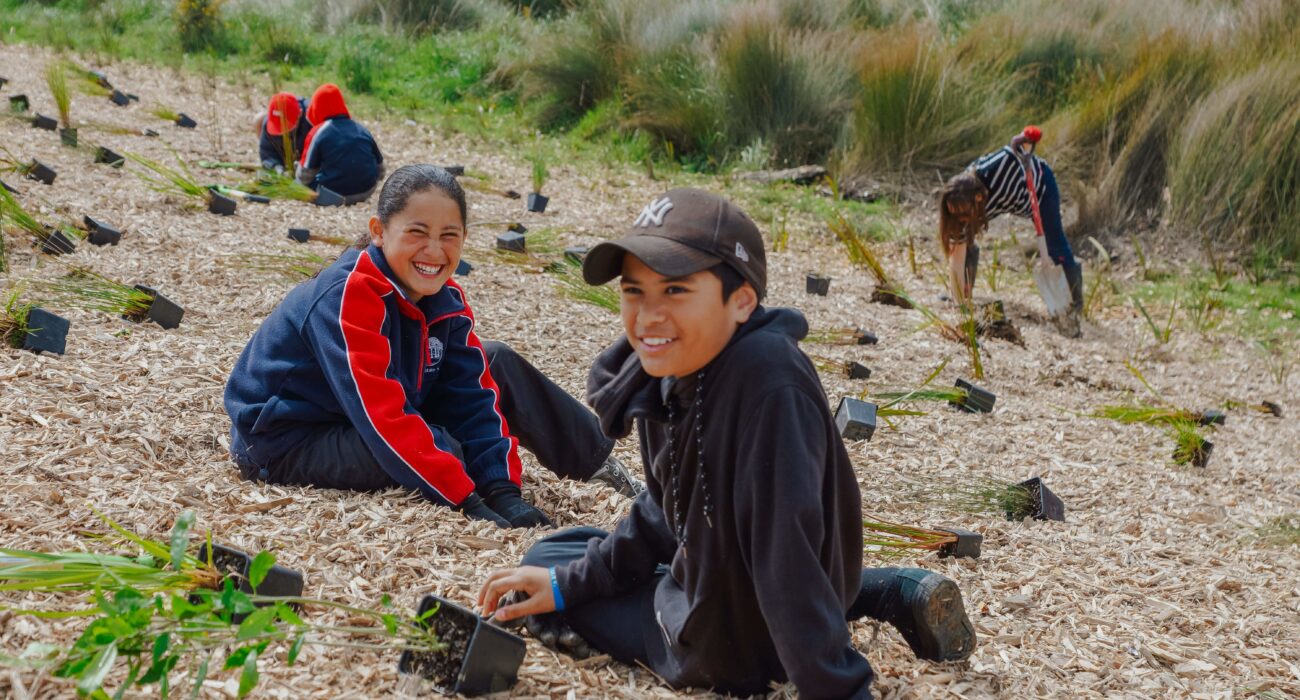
<point>682,232</point>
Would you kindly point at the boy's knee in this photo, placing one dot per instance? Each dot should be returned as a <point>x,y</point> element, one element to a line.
<point>561,547</point>
<point>499,353</point>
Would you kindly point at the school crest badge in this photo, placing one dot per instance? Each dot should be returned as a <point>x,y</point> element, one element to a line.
<point>435,354</point>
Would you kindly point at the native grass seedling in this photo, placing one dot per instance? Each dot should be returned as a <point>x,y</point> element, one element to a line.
<point>1189,445</point>
<point>27,326</point>
<point>861,256</point>
<point>540,173</point>
<point>56,79</point>
<point>1161,334</point>
<point>842,336</point>
<point>885,539</point>
<point>538,250</point>
<point>82,288</point>
<point>292,268</point>
<point>161,178</point>
<point>981,495</point>
<point>966,332</point>
<point>49,240</point>
<point>274,185</point>
<point>569,278</point>
<point>13,318</point>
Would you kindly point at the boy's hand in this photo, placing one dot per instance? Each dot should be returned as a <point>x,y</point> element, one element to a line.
<point>532,581</point>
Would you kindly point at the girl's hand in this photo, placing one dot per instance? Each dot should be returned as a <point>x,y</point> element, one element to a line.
<point>533,581</point>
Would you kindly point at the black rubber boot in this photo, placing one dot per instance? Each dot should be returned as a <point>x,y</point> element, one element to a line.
<point>1074,277</point>
<point>931,616</point>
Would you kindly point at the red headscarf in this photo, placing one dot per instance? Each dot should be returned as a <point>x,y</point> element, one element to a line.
<point>283,110</point>
<point>326,103</point>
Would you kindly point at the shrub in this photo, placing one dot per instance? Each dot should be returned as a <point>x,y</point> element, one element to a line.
<point>1235,164</point>
<point>422,16</point>
<point>198,23</point>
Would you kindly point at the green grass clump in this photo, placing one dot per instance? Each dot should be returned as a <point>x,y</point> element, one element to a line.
<point>57,80</point>
<point>85,289</point>
<point>13,315</point>
<point>883,538</point>
<point>294,268</point>
<point>1189,444</point>
<point>572,286</point>
<point>1142,413</point>
<point>278,186</point>
<point>167,180</point>
<point>1283,530</point>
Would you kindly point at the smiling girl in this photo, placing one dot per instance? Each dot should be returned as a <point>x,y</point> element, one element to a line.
<point>370,376</point>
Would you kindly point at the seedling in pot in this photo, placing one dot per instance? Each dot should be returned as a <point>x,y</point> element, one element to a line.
<point>842,336</point>
<point>161,178</point>
<point>49,240</point>
<point>293,268</point>
<point>84,289</point>
<point>1190,447</point>
<point>235,565</point>
<point>56,79</point>
<point>325,197</point>
<point>479,658</point>
<point>41,173</point>
<point>1211,416</point>
<point>861,256</point>
<point>536,202</point>
<point>977,400</point>
<point>100,233</point>
<point>273,185</point>
<point>512,242</point>
<point>818,284</point>
<point>857,370</point>
<point>855,419</point>
<point>301,235</point>
<point>29,327</point>
<point>40,121</point>
<point>35,170</point>
<point>885,539</point>
<point>119,98</point>
<point>1271,408</point>
<point>184,121</point>
<point>162,310</point>
<point>108,156</point>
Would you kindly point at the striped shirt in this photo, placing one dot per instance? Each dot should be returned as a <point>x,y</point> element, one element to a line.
<point>1002,173</point>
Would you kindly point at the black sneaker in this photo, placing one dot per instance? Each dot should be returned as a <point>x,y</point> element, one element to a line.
<point>613,474</point>
<point>933,620</point>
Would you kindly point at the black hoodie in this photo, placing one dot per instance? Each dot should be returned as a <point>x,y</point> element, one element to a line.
<point>760,588</point>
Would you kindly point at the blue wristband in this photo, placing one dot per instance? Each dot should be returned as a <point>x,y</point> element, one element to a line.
<point>555,591</point>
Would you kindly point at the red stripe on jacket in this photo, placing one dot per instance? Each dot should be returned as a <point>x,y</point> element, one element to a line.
<point>407,435</point>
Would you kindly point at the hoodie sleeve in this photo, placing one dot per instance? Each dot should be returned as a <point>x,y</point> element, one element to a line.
<point>467,403</point>
<point>780,515</point>
<point>625,559</point>
<point>270,150</point>
<point>346,332</point>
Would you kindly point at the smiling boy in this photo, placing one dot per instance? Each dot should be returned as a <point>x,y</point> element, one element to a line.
<point>741,562</point>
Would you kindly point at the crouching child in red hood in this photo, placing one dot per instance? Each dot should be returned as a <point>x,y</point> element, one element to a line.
<point>284,123</point>
<point>338,153</point>
<point>741,562</point>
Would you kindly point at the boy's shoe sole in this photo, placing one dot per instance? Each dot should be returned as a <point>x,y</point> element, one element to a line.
<point>939,629</point>
<point>613,474</point>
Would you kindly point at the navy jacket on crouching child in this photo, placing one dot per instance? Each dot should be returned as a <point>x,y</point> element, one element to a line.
<point>341,348</point>
<point>270,149</point>
<point>338,153</point>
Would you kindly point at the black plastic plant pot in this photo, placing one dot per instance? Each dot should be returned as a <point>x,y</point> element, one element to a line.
<point>9,188</point>
<point>119,98</point>
<point>132,97</point>
<point>977,400</point>
<point>301,235</point>
<point>1044,505</point>
<point>56,242</point>
<point>46,332</point>
<point>819,284</point>
<point>40,121</point>
<point>18,104</point>
<point>1273,408</point>
<point>855,419</point>
<point>151,133</point>
<point>512,241</point>
<point>454,170</point>
<point>1201,457</point>
<point>101,80</point>
<point>325,197</point>
<point>857,370</point>
<point>42,173</point>
<point>184,121</point>
<point>517,228</point>
<point>69,137</point>
<point>576,254</point>
<point>221,205</point>
<point>480,657</point>
<point>108,156</point>
<point>1211,416</point>
<point>463,268</point>
<point>967,544</point>
<point>537,203</point>
<point>865,337</point>
<point>162,310</point>
<point>280,581</point>
<point>101,233</point>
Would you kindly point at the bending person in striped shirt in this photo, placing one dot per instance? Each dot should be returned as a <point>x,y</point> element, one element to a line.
<point>994,185</point>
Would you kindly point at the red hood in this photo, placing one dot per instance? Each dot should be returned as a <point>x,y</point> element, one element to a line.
<point>327,103</point>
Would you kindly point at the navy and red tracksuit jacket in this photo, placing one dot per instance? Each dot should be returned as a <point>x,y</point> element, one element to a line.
<point>342,153</point>
<point>348,346</point>
<point>270,149</point>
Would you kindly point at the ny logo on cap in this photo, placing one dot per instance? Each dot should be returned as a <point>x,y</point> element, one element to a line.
<point>741,252</point>
<point>653,213</point>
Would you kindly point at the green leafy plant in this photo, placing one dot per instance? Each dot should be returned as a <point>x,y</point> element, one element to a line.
<point>160,178</point>
<point>1189,444</point>
<point>16,215</point>
<point>57,80</point>
<point>887,400</point>
<point>166,609</point>
<point>1161,335</point>
<point>861,256</point>
<point>165,113</point>
<point>269,183</point>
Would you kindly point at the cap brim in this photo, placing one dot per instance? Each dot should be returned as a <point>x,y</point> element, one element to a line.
<point>663,255</point>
